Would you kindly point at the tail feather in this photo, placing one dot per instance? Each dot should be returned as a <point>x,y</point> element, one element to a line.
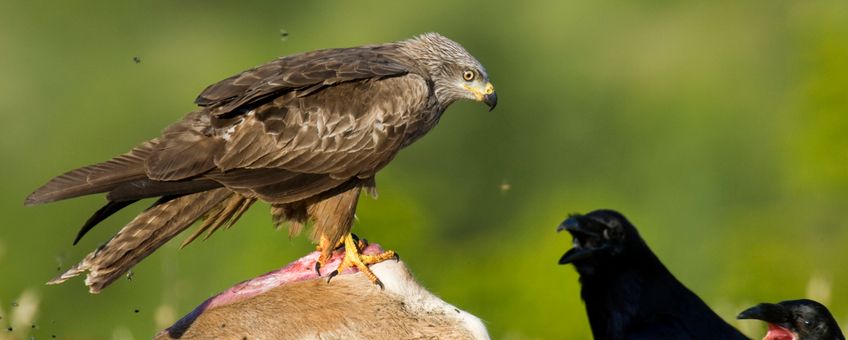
<point>100,215</point>
<point>144,234</point>
<point>95,178</point>
<point>227,213</point>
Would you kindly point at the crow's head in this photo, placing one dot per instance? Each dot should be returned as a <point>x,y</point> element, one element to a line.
<point>600,237</point>
<point>795,320</point>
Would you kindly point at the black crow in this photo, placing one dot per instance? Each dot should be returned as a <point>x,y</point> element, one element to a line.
<point>629,293</point>
<point>795,320</point>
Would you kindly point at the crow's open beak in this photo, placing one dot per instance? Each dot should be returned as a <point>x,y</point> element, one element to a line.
<point>577,230</point>
<point>576,254</point>
<point>778,318</point>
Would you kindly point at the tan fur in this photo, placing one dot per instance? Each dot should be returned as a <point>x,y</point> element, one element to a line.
<point>350,307</point>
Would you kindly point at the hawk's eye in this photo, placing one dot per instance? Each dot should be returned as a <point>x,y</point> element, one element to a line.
<point>468,75</point>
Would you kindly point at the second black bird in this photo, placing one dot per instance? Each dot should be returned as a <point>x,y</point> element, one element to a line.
<point>795,320</point>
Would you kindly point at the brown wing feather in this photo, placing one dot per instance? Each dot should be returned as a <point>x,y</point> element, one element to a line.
<point>95,178</point>
<point>145,188</point>
<point>185,149</point>
<point>295,147</point>
<point>344,131</point>
<point>308,71</point>
<point>344,124</point>
<point>279,186</point>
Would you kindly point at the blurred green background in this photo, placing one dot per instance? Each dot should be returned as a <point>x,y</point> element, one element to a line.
<point>718,128</point>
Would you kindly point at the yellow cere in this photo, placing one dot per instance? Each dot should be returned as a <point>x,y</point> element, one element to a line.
<point>480,94</point>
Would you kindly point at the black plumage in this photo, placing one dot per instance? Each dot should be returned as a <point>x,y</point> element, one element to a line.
<point>795,320</point>
<point>628,292</point>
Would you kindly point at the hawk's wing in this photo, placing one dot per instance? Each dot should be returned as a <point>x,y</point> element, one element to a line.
<point>313,113</point>
<point>303,144</point>
<point>306,71</point>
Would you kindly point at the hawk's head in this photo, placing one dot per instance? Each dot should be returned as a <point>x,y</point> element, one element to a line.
<point>455,73</point>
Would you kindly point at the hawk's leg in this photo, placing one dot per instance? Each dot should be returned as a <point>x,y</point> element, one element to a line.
<point>354,258</point>
<point>326,252</point>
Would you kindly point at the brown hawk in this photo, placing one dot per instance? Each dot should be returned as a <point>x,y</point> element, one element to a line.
<point>305,133</point>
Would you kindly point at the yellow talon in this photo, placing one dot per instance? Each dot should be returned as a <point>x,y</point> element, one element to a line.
<point>354,258</point>
<point>326,252</point>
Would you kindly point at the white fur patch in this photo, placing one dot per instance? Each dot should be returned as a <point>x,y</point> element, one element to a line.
<point>399,281</point>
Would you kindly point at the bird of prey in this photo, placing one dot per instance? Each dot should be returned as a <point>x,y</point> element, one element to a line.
<point>305,133</point>
<point>795,320</point>
<point>628,292</point>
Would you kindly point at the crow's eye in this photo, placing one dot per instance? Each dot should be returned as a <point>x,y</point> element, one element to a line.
<point>468,75</point>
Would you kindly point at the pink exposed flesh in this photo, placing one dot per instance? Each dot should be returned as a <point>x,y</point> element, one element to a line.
<point>299,270</point>
<point>776,332</point>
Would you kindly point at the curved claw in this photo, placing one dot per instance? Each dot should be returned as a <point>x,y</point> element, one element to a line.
<point>332,275</point>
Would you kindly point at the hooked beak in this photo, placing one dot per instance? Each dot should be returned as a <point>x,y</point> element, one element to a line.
<point>490,97</point>
<point>487,95</point>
